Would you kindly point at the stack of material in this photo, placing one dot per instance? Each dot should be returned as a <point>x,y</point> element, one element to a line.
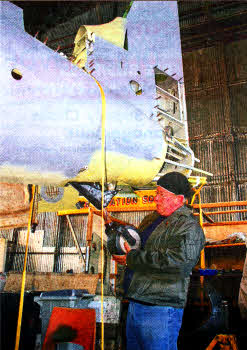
<point>237,237</point>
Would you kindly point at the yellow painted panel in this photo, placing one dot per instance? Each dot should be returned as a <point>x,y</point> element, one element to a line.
<point>114,32</point>
<point>122,168</point>
<point>69,200</point>
<point>67,205</point>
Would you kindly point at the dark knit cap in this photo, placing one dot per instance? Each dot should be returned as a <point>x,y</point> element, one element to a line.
<point>176,183</point>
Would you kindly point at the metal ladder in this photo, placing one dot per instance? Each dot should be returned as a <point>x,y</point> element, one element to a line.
<point>172,117</point>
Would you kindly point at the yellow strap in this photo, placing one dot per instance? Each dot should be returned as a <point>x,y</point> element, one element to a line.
<point>200,209</point>
<point>197,193</point>
<point>202,257</point>
<point>102,203</point>
<point>18,331</point>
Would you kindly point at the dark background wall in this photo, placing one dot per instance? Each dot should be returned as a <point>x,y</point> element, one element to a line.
<point>214,44</point>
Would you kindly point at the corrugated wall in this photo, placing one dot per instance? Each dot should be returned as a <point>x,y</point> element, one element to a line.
<point>203,69</point>
<point>51,248</point>
<point>238,94</point>
<point>206,113</point>
<point>224,192</point>
<point>235,53</point>
<point>216,156</point>
<point>195,12</point>
<point>216,90</point>
<point>133,218</point>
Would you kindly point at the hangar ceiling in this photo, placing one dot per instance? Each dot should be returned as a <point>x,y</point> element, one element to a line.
<point>206,23</point>
<point>44,15</point>
<point>57,22</point>
<point>202,23</point>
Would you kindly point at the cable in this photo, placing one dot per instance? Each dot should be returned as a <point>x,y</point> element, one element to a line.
<point>18,330</point>
<point>103,177</point>
<point>202,255</point>
<point>197,193</point>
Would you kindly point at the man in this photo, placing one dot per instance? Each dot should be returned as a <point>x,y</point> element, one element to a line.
<point>242,296</point>
<point>171,246</point>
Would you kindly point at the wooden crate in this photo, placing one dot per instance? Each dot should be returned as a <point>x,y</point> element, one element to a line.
<point>51,281</point>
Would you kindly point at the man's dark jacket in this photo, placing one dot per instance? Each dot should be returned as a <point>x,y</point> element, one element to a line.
<point>162,268</point>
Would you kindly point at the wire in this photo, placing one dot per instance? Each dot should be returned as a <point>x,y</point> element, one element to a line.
<point>198,193</point>
<point>202,255</point>
<point>18,330</point>
<point>103,177</point>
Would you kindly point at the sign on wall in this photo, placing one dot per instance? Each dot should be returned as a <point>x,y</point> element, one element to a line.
<point>68,203</point>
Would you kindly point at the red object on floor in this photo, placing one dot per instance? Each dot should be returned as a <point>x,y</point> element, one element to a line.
<point>81,320</point>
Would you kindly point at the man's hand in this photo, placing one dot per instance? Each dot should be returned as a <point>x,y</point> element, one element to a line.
<point>121,259</point>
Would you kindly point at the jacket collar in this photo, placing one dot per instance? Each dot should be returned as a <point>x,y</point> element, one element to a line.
<point>184,210</point>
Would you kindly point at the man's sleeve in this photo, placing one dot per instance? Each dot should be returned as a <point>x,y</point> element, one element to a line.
<point>178,256</point>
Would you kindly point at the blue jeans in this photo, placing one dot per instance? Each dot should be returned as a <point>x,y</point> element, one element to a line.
<point>152,327</point>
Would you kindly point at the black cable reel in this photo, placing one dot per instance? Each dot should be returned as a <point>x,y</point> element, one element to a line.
<point>118,234</point>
